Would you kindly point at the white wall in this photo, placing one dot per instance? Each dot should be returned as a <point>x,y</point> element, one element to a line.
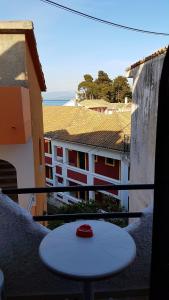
<point>146,78</point>
<point>21,157</point>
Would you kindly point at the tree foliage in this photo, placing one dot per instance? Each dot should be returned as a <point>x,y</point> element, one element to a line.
<point>121,89</point>
<point>87,87</point>
<point>104,88</point>
<point>109,205</point>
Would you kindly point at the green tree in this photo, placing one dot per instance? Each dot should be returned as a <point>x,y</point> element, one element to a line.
<point>121,89</point>
<point>103,86</point>
<point>110,204</point>
<point>86,88</point>
<point>103,78</point>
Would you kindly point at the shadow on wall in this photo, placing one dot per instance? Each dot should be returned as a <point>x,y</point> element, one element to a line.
<point>12,64</point>
<point>8,177</point>
<point>146,79</point>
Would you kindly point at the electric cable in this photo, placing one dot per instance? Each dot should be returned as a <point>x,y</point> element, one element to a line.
<point>74,11</point>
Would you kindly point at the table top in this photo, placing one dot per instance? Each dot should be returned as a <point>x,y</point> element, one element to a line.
<point>109,251</point>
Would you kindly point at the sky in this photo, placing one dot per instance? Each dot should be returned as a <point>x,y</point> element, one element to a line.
<point>70,46</point>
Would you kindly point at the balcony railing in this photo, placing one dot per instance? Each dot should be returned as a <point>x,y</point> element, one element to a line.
<point>68,217</point>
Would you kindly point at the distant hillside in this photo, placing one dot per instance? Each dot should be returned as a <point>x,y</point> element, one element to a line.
<point>60,95</point>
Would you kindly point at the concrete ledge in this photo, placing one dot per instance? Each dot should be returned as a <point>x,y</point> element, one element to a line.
<point>15,25</point>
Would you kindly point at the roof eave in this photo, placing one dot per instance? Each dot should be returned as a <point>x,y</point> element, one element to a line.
<point>86,144</point>
<point>147,58</point>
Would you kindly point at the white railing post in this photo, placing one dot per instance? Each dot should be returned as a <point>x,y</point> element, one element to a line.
<point>124,180</point>
<point>90,176</point>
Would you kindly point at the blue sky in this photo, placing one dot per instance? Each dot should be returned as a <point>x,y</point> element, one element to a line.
<point>70,46</point>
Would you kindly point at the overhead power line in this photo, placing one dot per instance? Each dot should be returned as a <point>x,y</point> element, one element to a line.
<point>73,11</point>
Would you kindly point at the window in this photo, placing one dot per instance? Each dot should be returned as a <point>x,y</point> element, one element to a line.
<point>72,158</point>
<point>78,159</point>
<point>95,158</point>
<point>110,161</point>
<point>48,147</point>
<point>83,195</point>
<point>59,151</point>
<point>49,172</point>
<point>59,179</point>
<point>81,160</point>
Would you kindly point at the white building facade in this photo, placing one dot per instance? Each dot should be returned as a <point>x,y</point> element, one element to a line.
<point>70,164</point>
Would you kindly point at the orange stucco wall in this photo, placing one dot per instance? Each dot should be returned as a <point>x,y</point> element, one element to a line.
<point>17,70</point>
<point>37,130</point>
<point>15,120</point>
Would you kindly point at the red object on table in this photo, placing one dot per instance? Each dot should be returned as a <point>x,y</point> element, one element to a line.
<point>85,231</point>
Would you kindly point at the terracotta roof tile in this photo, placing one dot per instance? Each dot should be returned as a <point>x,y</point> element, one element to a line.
<point>83,126</point>
<point>153,55</point>
<point>120,106</point>
<point>94,103</point>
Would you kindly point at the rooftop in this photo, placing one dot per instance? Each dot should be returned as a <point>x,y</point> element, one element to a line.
<point>94,103</point>
<point>120,106</point>
<point>153,55</point>
<point>83,126</point>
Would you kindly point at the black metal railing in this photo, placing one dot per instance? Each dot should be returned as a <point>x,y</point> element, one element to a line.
<point>55,189</point>
<point>76,216</point>
<point>86,216</point>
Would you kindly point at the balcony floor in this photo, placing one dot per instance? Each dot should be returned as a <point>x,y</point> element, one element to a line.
<point>128,295</point>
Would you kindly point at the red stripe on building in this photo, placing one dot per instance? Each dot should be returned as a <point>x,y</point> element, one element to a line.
<point>77,176</point>
<point>99,181</point>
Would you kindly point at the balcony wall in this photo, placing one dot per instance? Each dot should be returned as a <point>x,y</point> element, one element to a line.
<point>25,275</point>
<point>15,118</point>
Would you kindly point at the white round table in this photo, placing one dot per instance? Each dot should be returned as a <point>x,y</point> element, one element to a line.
<point>109,251</point>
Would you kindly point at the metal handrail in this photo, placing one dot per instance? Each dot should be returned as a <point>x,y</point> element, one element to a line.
<point>77,188</point>
<point>91,216</point>
<point>77,216</point>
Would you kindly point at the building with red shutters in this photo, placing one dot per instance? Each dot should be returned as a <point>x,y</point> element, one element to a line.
<point>84,147</point>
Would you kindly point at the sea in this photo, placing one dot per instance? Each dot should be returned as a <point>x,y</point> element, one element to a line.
<point>54,102</point>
